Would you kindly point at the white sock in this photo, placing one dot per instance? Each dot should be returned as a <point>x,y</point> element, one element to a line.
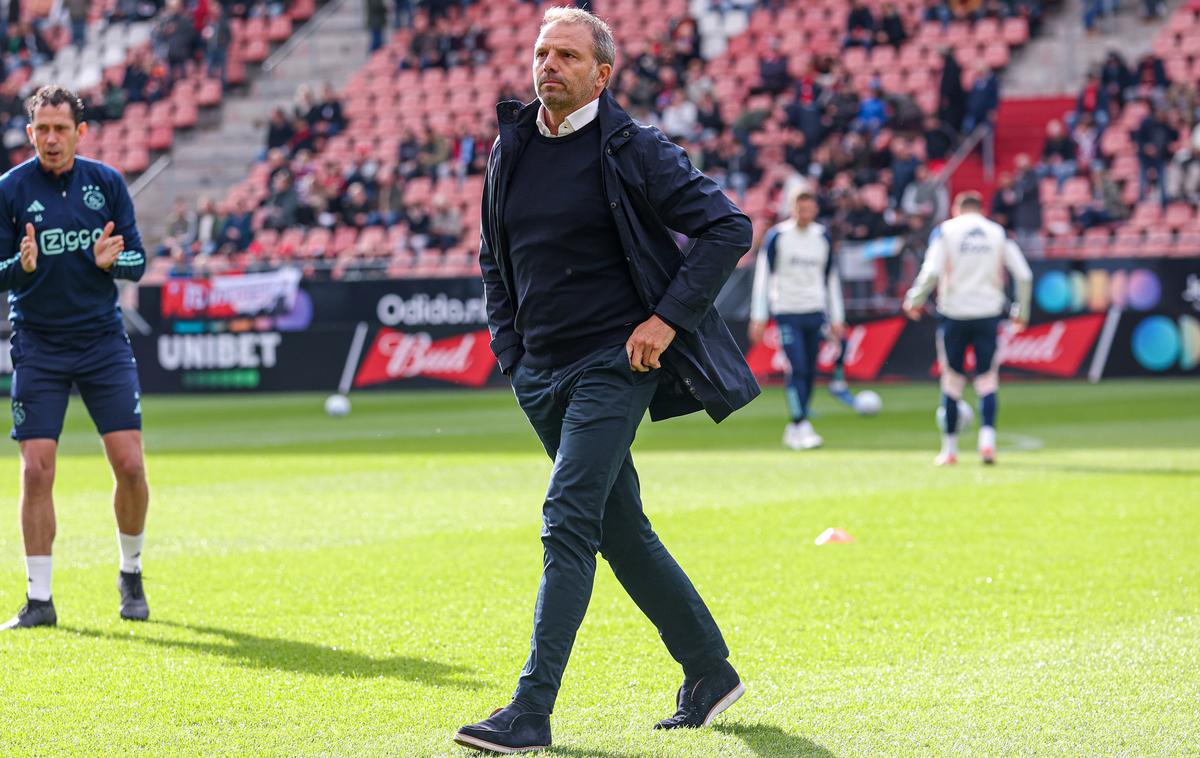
<point>37,568</point>
<point>950,444</point>
<point>131,552</point>
<point>987,437</point>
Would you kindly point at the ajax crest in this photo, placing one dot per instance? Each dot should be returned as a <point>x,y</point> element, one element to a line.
<point>18,411</point>
<point>93,197</point>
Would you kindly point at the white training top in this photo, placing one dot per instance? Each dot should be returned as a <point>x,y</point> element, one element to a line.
<point>796,274</point>
<point>966,260</point>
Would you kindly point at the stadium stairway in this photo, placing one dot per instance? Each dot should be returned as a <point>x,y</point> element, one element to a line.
<point>1058,58</point>
<point>1020,128</point>
<point>330,47</point>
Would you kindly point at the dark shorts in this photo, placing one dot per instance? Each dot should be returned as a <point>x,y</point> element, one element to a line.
<point>956,335</point>
<point>46,365</point>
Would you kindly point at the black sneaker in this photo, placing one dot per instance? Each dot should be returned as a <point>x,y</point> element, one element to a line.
<point>133,597</point>
<point>34,613</point>
<point>701,701</point>
<point>511,729</point>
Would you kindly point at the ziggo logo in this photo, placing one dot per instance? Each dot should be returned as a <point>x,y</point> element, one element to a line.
<point>58,241</point>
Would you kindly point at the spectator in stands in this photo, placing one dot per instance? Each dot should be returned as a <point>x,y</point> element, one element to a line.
<point>279,130</point>
<point>1058,153</point>
<point>708,119</point>
<point>1150,75</point>
<point>773,69</point>
<point>209,223</point>
<point>302,136</point>
<point>860,26</point>
<point>1115,76</point>
<point>891,27</point>
<point>872,113</point>
<point>113,101</point>
<point>904,166</point>
<point>1092,11</point>
<point>952,98</point>
<point>181,224</point>
<point>77,15</point>
<point>1087,143</point>
<point>376,22</point>
<point>363,171</point>
<point>983,100</point>
<point>389,209</point>
<point>282,209</point>
<point>1183,175</point>
<point>237,230</point>
<point>176,36</point>
<point>937,10</point>
<point>1154,137</point>
<point>1027,206</point>
<point>680,118</point>
<point>925,202</point>
<point>407,155</point>
<point>217,36</point>
<point>939,139</point>
<point>356,207</point>
<point>1106,205</point>
<point>434,151</point>
<point>326,117</point>
<point>1093,100</point>
<point>445,224</point>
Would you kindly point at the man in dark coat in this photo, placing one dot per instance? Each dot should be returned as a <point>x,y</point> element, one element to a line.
<point>596,316</point>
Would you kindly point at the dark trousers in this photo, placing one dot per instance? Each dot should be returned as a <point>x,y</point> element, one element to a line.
<point>586,415</point>
<point>800,334</point>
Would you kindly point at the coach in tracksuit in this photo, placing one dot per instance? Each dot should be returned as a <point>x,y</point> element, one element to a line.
<point>796,280</point>
<point>596,315</point>
<point>67,233</point>
<point>966,261</point>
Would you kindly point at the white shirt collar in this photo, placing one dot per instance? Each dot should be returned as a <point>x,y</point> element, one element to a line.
<point>571,123</point>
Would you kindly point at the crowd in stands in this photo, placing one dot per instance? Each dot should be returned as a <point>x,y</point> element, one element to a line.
<point>875,150</point>
<point>1131,145</point>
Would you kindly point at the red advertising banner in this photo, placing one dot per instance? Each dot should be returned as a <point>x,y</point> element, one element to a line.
<point>868,346</point>
<point>395,356</point>
<point>1057,348</point>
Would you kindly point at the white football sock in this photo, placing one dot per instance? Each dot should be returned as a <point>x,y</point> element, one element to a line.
<point>37,568</point>
<point>987,437</point>
<point>950,444</point>
<point>131,552</point>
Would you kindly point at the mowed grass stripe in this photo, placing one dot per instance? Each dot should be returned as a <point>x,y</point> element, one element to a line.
<point>335,587</point>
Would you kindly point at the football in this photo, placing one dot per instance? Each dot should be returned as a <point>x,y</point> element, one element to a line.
<point>867,403</point>
<point>337,405</point>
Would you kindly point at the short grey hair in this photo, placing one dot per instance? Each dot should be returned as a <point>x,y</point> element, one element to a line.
<point>604,49</point>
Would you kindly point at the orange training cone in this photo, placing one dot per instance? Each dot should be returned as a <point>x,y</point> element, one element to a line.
<point>833,535</point>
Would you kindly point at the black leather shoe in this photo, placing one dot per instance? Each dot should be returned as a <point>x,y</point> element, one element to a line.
<point>700,702</point>
<point>511,729</point>
<point>33,613</point>
<point>133,597</point>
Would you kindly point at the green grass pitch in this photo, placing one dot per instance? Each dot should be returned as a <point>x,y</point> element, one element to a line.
<point>365,585</point>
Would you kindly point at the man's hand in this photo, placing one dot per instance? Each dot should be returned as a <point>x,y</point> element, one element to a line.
<point>756,331</point>
<point>29,250</point>
<point>913,312</point>
<point>108,247</point>
<point>837,331</point>
<point>647,343</point>
<point>1016,325</point>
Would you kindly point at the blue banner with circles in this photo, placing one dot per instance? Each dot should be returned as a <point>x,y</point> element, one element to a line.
<point>1153,307</point>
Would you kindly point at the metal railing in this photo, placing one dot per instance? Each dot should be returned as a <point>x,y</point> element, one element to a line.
<point>985,134</point>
